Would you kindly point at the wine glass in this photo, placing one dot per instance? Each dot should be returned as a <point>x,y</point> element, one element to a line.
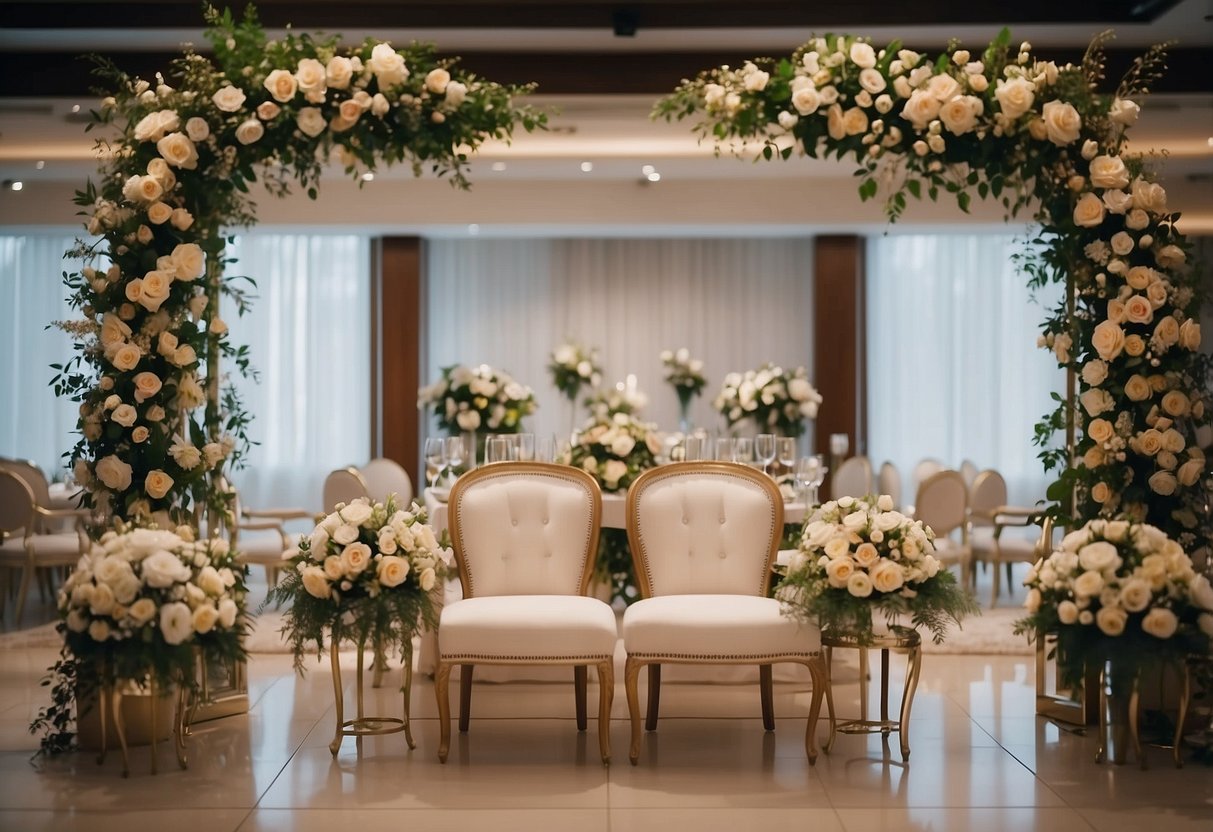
<point>724,449</point>
<point>764,448</point>
<point>435,458</point>
<point>743,450</point>
<point>497,449</point>
<point>806,474</point>
<point>456,452</point>
<point>692,449</point>
<point>524,444</point>
<point>785,450</point>
<point>545,448</point>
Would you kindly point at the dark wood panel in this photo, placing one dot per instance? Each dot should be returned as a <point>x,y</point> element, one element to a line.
<point>397,280</point>
<point>64,74</point>
<point>839,338</point>
<point>527,14</point>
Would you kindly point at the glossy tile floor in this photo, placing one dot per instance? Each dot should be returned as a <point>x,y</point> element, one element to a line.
<point>980,761</point>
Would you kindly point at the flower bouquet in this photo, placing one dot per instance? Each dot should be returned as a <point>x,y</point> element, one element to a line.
<point>774,398</point>
<point>365,573</point>
<point>857,556</point>
<point>477,399</point>
<point>604,404</point>
<point>1118,591</point>
<point>685,375</point>
<point>572,366</point>
<point>135,610</point>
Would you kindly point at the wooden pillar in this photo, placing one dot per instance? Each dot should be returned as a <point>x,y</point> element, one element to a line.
<point>397,334</point>
<point>839,343</point>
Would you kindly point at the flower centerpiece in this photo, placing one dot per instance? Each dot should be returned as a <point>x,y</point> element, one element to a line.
<point>364,573</point>
<point>136,609</point>
<point>1118,591</point>
<point>476,399</point>
<point>859,556</point>
<point>572,366</point>
<point>774,398</point>
<point>622,398</point>
<point>685,375</point>
<point>615,450</point>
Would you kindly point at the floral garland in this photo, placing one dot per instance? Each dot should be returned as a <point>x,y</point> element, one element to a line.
<point>137,607</point>
<point>859,556</point>
<point>476,399</point>
<point>774,398</point>
<point>1029,133</point>
<point>156,428</point>
<point>365,572</point>
<point>1121,591</point>
<point>573,365</point>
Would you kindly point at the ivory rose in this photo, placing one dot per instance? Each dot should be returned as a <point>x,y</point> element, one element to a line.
<point>249,131</point>
<point>1088,211</point>
<point>921,109</point>
<point>1015,96</point>
<point>1108,339</point>
<point>1062,122</point>
<point>1138,310</point>
<point>310,76</point>
<point>1111,620</point>
<point>114,473</point>
<point>1100,430</point>
<point>960,114</point>
<point>392,571</point>
<point>1108,172</point>
<point>1137,388</point>
<point>311,121</point>
<point>1160,622</point>
<point>887,576</point>
<point>157,483</point>
<point>281,85</point>
<point>338,72</point>
<point>1163,482</point>
<point>179,151</point>
<point>1149,196</point>
<point>387,65</point>
<point>126,357</point>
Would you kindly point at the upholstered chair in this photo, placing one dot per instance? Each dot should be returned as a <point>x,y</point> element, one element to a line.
<point>385,477</point>
<point>259,536</point>
<point>343,485</point>
<point>703,537</point>
<point>989,516</point>
<point>525,536</point>
<point>888,481</point>
<point>852,479</point>
<point>942,503</point>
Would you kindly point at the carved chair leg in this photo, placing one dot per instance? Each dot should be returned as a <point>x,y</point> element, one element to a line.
<point>465,696</point>
<point>442,680</point>
<point>606,695</point>
<point>650,720</point>
<point>631,678</point>
<point>821,686</point>
<point>580,676</point>
<point>766,688</point>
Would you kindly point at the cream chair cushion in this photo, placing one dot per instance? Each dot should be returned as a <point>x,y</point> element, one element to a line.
<point>741,628</point>
<point>528,629</point>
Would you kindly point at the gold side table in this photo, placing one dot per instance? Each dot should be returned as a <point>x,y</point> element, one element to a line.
<point>897,640</point>
<point>362,725</point>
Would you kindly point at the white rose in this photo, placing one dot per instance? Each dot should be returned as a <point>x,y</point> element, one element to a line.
<point>355,558</point>
<point>1062,122</point>
<point>392,571</point>
<point>310,76</point>
<point>1108,339</point>
<point>124,415</point>
<point>210,581</point>
<point>204,619</point>
<point>887,576</point>
<point>228,610</point>
<point>1088,584</point>
<point>859,585</point>
<point>356,513</point>
<point>1096,401</point>
<point>1149,196</point>
<point>1135,595</point>
<point>1124,112</point>
<point>806,100</point>
<point>1015,96</point>
<point>114,473</point>
<point>315,582</point>
<point>613,471</point>
<point>1067,612</point>
<point>338,73</point>
<point>249,131</point>
<point>839,571</point>
<point>387,65</point>
<point>872,81</point>
<point>863,55</point>
<point>1189,335</point>
<point>1111,620</point>
<point>162,569</point>
<point>1088,211</point>
<point>1094,372</point>
<point>960,114</point>
<point>1163,482</point>
<point>229,99</point>
<point>468,420</point>
<point>1160,622</point>
<point>181,219</point>
<point>344,534</point>
<point>436,80</point>
<point>1109,172</point>
<point>921,108</point>
<point>281,85</point>
<point>622,445</point>
<point>456,92</point>
<point>178,150</point>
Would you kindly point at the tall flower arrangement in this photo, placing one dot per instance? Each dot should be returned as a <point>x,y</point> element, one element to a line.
<point>478,399</point>
<point>155,423</point>
<point>685,375</point>
<point>573,366</point>
<point>1039,136</point>
<point>604,404</point>
<point>774,398</point>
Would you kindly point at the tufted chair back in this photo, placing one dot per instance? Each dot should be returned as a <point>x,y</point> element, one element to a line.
<point>525,528</point>
<point>704,528</point>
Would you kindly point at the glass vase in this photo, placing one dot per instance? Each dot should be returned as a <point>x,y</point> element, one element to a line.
<point>685,397</point>
<point>1118,708</point>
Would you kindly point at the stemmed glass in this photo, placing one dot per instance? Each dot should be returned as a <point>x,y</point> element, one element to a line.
<point>545,449</point>
<point>810,473</point>
<point>435,458</point>
<point>524,444</point>
<point>785,450</point>
<point>724,449</point>
<point>456,452</point>
<point>692,449</point>
<point>764,449</point>
<point>497,449</point>
<point>743,450</point>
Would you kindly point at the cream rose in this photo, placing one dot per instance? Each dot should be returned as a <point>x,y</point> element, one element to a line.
<point>806,100</point>
<point>1067,612</point>
<point>872,81</point>
<point>315,582</point>
<point>1015,96</point>
<point>249,131</point>
<point>921,109</point>
<point>1111,620</point>
<point>1149,196</point>
<point>392,570</point>
<point>1095,372</point>
<point>189,261</point>
<point>197,129</point>
<point>1163,482</point>
<point>157,483</point>
<point>1100,430</point>
<point>311,121</point>
<point>124,415</point>
<point>1149,442</point>
<point>1062,122</point>
<point>1139,310</point>
<point>854,121</point>
<point>887,576</point>
<point>181,219</point>
<point>281,85</point>
<point>1189,335</point>
<point>387,65</point>
<point>839,571</point>
<point>960,114</point>
<point>863,55</point>
<point>158,213</point>
<point>311,78</point>
<point>228,99</point>
<point>126,357</point>
<point>338,72</point>
<point>1134,345</point>
<point>1108,172</point>
<point>1160,622</point>
<point>1175,403</point>
<point>1190,472</point>
<point>355,558</point>
<point>1108,339</point>
<point>1101,492</point>
<point>1088,211</point>
<point>436,80</point>
<point>179,151</point>
<point>859,584</point>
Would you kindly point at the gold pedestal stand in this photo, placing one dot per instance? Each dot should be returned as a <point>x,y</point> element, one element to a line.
<point>110,708</point>
<point>1126,737</point>
<point>362,725</point>
<point>899,640</point>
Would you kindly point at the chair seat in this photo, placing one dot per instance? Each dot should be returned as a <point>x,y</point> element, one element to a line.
<point>62,548</point>
<point>527,629</point>
<point>948,551</point>
<point>1010,547</point>
<point>12,551</point>
<point>261,549</point>
<point>711,628</point>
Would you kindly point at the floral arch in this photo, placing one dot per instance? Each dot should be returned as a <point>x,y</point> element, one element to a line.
<point>1040,137</point>
<point>158,425</point>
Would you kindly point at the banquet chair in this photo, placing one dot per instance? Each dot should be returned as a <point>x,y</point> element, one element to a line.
<point>24,544</point>
<point>384,477</point>
<point>989,515</point>
<point>852,479</point>
<point>888,481</point>
<point>922,471</point>
<point>259,536</point>
<point>525,536</point>
<point>942,503</point>
<point>342,486</point>
<point>703,538</point>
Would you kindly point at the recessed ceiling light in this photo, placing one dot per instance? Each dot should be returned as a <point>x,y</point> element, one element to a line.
<point>473,229</point>
<point>586,167</point>
<point>39,165</point>
<point>16,184</point>
<point>654,177</point>
<point>369,176</point>
<point>648,170</point>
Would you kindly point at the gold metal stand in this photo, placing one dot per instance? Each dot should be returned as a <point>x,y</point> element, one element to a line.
<point>110,707</point>
<point>368,726</point>
<point>1131,730</point>
<point>899,640</point>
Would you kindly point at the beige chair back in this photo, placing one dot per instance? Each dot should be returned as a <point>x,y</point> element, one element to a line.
<point>704,528</point>
<point>525,528</point>
<point>969,470</point>
<point>942,503</point>
<point>386,476</point>
<point>987,493</point>
<point>33,476</point>
<point>888,481</point>
<point>922,472</point>
<point>342,486</point>
<point>852,479</point>
<point>16,503</point>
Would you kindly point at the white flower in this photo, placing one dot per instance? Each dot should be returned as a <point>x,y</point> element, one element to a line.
<point>179,151</point>
<point>311,121</point>
<point>859,585</point>
<point>468,419</point>
<point>392,571</point>
<point>1109,172</point>
<point>310,76</point>
<point>281,85</point>
<point>114,473</point>
<point>863,55</point>
<point>921,108</point>
<point>356,513</point>
<point>344,534</point>
<point>456,92</point>
<point>887,576</point>
<point>315,582</point>
<point>157,484</point>
<point>806,100</point>
<point>1135,595</point>
<point>249,131</point>
<point>839,571</point>
<point>1111,620</point>
<point>960,114</point>
<point>387,65</point>
<point>204,619</point>
<point>1160,622</point>
<point>338,72</point>
<point>176,622</point>
<point>436,80</point>
<point>1089,211</point>
<point>1124,112</point>
<point>1067,612</point>
<point>229,99</point>
<point>162,569</point>
<point>355,558</point>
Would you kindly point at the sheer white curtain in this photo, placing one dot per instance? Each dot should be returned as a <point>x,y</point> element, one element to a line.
<point>735,303</point>
<point>34,424</point>
<point>309,340</point>
<point>953,367</point>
